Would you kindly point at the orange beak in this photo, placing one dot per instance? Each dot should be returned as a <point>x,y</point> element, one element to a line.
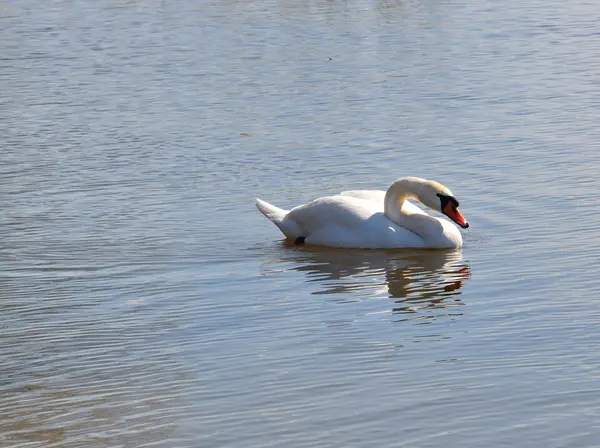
<point>452,212</point>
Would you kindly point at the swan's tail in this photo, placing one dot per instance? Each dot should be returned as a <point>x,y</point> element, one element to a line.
<point>278,216</point>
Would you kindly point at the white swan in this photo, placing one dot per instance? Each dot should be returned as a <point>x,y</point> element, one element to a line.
<point>374,219</point>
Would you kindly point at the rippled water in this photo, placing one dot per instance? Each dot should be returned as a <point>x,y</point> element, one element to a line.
<point>145,301</point>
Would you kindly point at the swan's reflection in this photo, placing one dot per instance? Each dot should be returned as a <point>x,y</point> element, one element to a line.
<point>417,280</point>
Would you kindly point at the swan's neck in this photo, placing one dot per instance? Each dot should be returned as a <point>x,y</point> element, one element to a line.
<point>396,196</point>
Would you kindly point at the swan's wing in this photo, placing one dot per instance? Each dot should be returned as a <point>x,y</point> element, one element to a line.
<point>333,211</point>
<point>368,195</point>
<point>348,221</point>
<point>378,196</point>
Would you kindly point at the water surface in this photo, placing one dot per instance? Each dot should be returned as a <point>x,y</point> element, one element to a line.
<point>146,302</point>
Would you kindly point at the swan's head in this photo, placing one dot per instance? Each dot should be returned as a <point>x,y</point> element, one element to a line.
<point>449,207</point>
<point>438,197</point>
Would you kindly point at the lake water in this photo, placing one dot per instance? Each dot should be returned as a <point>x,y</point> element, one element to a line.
<point>146,302</point>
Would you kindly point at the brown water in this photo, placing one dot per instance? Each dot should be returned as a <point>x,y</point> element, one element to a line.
<point>145,301</point>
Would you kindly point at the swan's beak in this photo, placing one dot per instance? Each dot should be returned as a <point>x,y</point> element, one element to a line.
<point>452,212</point>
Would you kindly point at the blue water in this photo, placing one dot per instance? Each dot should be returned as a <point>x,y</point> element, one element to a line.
<point>146,302</point>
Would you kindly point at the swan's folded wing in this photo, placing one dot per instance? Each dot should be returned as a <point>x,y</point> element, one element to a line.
<point>347,221</point>
<point>368,195</point>
<point>378,196</point>
<point>332,212</point>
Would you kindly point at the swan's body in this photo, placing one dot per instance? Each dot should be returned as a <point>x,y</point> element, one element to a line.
<point>374,219</point>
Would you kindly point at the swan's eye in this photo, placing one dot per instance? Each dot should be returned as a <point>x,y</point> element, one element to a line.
<point>444,199</point>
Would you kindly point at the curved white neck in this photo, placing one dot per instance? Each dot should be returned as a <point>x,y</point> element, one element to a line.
<point>395,197</point>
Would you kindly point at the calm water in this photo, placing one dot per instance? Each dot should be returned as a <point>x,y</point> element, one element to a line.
<point>146,302</point>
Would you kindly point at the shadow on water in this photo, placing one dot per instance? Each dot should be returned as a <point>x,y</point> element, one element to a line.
<point>418,281</point>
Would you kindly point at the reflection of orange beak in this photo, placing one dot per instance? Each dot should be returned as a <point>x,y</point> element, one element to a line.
<point>452,212</point>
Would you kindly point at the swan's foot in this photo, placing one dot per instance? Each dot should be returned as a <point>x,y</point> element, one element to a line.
<point>300,241</point>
